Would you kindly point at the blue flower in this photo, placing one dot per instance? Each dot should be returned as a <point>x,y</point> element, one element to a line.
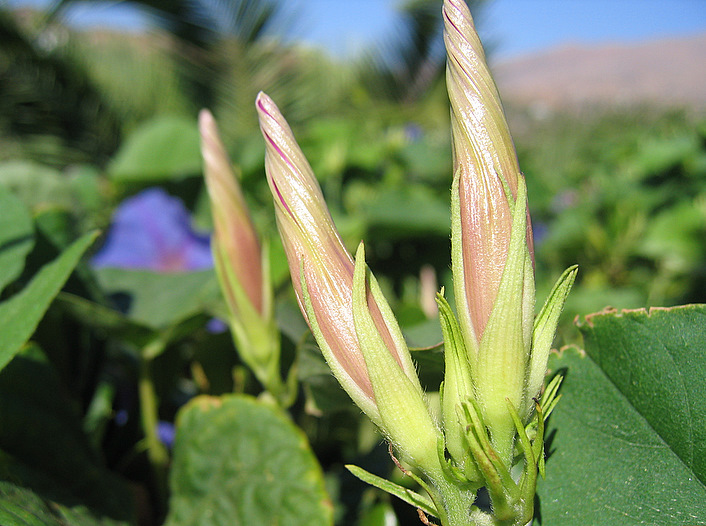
<point>216,326</point>
<point>166,433</point>
<point>152,230</point>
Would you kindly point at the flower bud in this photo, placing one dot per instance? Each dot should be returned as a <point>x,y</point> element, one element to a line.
<point>234,232</point>
<point>491,235</point>
<point>353,325</point>
<point>241,268</point>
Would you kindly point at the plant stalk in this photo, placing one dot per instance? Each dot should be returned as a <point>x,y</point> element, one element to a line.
<point>156,452</point>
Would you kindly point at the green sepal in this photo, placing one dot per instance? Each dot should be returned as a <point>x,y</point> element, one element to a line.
<point>457,387</point>
<point>500,370</point>
<point>503,490</point>
<point>405,358</point>
<point>449,467</point>
<point>406,420</point>
<point>550,396</point>
<point>534,461</point>
<point>407,495</point>
<point>457,268</point>
<point>543,334</point>
<point>535,428</point>
<point>538,444</point>
<point>528,481</point>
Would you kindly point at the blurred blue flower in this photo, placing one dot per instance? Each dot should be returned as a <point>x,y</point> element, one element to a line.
<point>540,231</point>
<point>152,230</point>
<point>121,417</point>
<point>413,132</point>
<point>166,433</point>
<point>216,326</point>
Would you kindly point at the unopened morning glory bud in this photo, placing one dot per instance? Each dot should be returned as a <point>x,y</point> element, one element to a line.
<point>496,354</point>
<point>234,231</point>
<point>241,268</point>
<point>495,351</point>
<point>492,253</point>
<point>352,323</point>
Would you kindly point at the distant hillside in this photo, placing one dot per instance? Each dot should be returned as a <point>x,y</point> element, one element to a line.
<point>670,72</point>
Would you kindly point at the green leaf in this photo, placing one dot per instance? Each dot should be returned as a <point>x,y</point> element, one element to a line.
<point>16,236</point>
<point>37,185</point>
<point>158,300</point>
<point>22,507</point>
<point>406,211</point>
<point>20,314</point>
<point>658,362</point>
<point>49,474</point>
<point>240,462</point>
<point>407,495</point>
<point>628,439</point>
<point>166,147</point>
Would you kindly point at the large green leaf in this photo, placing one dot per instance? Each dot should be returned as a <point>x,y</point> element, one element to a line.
<point>164,148</point>
<point>20,314</point>
<point>16,236</point>
<point>240,462</point>
<point>628,438</point>
<point>48,472</point>
<point>405,211</point>
<point>157,300</point>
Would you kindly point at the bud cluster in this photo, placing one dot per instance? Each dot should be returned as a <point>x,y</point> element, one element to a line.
<point>490,430</point>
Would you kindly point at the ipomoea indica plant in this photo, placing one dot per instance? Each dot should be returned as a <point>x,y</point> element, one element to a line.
<point>242,267</point>
<point>493,408</point>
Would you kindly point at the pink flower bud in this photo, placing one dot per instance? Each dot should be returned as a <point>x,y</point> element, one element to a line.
<point>321,268</point>
<point>491,235</point>
<point>241,268</point>
<point>238,247</point>
<point>486,172</point>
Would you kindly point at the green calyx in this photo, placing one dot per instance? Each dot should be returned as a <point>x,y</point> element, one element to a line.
<point>499,372</point>
<point>255,333</point>
<point>405,418</point>
<point>456,388</point>
<point>512,500</point>
<point>543,334</point>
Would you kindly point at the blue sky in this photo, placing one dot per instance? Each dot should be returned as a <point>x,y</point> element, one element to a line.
<point>513,27</point>
<point>521,26</point>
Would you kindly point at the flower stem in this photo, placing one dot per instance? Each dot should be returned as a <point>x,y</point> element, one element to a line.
<point>156,452</point>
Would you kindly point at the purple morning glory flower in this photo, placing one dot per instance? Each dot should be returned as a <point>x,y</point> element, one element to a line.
<point>152,230</point>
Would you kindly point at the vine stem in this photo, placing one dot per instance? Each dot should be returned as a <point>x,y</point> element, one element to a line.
<point>156,452</point>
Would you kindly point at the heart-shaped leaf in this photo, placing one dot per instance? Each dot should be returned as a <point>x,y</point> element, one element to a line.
<point>241,462</point>
<point>627,441</point>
